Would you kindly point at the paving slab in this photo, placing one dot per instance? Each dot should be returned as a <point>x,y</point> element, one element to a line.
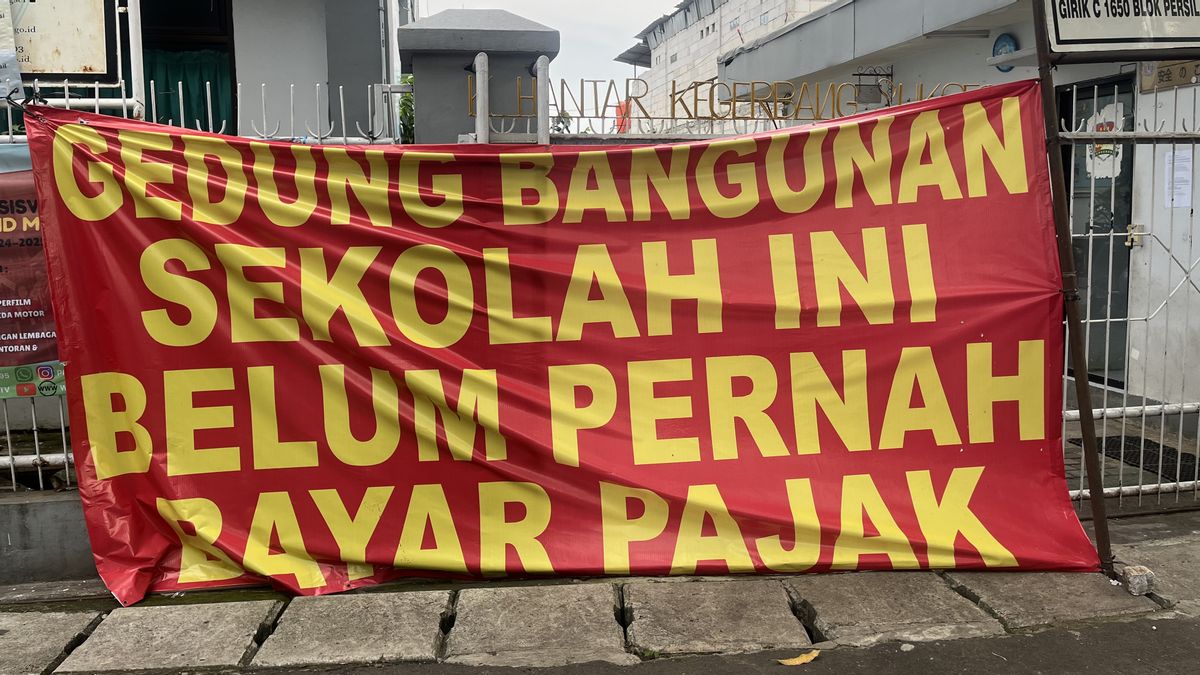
<point>1150,528</point>
<point>706,617</point>
<point>1176,567</point>
<point>866,608</point>
<point>357,629</point>
<point>1033,599</point>
<point>536,626</point>
<point>170,637</point>
<point>54,591</point>
<point>31,641</point>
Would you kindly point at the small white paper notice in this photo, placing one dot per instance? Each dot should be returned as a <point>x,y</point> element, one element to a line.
<point>1178,174</point>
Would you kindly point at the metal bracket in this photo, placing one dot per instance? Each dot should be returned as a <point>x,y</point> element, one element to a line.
<point>1070,288</point>
<point>1134,238</point>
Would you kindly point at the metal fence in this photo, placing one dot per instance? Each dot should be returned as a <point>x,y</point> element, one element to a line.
<point>1131,181</point>
<point>308,113</point>
<point>37,450</point>
<point>1131,184</point>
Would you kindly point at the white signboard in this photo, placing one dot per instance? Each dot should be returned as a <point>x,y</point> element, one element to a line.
<point>10,72</point>
<point>63,37</point>
<point>1115,25</point>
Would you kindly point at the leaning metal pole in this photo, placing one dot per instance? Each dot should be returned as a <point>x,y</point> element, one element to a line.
<point>1066,258</point>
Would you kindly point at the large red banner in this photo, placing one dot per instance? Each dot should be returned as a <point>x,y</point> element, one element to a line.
<point>830,347</point>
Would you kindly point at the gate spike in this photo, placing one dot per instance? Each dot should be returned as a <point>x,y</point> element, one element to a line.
<point>369,134</point>
<point>262,133</point>
<point>320,136</point>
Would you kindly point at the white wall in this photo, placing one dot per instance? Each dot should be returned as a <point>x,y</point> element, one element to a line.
<point>937,61</point>
<point>281,42</point>
<point>697,47</point>
<point>21,415</point>
<point>1164,350</point>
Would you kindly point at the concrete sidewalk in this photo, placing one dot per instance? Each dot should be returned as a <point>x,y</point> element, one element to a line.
<point>618,622</point>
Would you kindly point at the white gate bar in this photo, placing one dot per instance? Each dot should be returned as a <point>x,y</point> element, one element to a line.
<point>43,461</point>
<point>1130,490</point>
<point>1136,411</point>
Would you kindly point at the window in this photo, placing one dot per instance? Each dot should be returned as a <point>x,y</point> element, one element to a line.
<point>733,24</point>
<point>673,57</point>
<point>190,41</point>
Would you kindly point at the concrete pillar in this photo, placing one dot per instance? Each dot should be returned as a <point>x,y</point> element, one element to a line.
<point>439,51</point>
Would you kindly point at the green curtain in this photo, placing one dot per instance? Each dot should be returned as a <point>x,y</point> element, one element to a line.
<point>168,68</point>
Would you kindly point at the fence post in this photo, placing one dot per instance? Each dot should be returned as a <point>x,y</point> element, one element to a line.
<point>138,87</point>
<point>483,122</point>
<point>542,75</point>
<point>1066,258</point>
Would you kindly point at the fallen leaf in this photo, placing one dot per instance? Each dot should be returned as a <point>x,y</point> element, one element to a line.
<point>802,659</point>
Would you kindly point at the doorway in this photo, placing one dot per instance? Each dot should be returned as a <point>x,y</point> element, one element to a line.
<point>190,41</point>
<point>1099,178</point>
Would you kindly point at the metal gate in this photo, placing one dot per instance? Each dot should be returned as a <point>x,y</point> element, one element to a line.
<point>1131,186</point>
